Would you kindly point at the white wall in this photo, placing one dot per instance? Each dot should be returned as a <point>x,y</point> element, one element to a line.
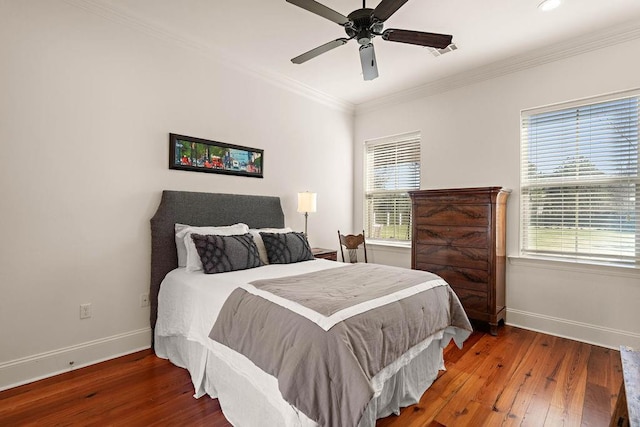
<point>86,107</point>
<point>470,138</point>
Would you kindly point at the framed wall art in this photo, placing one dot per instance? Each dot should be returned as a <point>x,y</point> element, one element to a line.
<point>202,155</point>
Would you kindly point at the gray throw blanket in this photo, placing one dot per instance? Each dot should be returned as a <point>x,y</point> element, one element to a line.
<point>327,374</point>
<point>329,291</point>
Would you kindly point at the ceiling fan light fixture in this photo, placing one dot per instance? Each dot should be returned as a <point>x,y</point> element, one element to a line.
<point>548,5</point>
<point>368,62</point>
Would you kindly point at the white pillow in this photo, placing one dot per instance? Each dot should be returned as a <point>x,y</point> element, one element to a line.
<point>262,250</point>
<point>187,253</point>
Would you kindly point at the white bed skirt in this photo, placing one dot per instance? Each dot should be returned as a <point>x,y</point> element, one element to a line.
<point>250,397</point>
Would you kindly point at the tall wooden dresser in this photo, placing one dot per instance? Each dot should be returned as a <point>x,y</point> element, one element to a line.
<point>459,234</point>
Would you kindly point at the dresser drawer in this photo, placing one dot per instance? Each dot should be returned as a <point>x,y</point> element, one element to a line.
<point>457,277</point>
<point>448,196</point>
<point>452,256</point>
<point>473,300</point>
<point>447,235</point>
<point>452,214</point>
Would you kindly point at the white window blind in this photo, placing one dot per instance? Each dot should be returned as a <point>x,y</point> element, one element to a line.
<point>392,168</point>
<point>579,181</point>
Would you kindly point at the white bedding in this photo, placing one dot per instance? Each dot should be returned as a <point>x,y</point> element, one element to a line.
<point>189,303</point>
<point>204,295</point>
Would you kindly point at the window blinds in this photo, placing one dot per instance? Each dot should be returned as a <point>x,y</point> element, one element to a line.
<point>392,168</point>
<point>579,181</point>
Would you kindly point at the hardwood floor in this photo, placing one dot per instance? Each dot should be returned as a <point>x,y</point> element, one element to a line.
<point>518,378</point>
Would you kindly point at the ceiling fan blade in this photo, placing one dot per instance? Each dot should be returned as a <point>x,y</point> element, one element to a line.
<point>318,51</point>
<point>386,8</point>
<point>368,61</point>
<point>322,10</point>
<point>439,41</point>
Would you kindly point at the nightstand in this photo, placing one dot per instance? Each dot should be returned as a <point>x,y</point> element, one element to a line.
<point>330,254</point>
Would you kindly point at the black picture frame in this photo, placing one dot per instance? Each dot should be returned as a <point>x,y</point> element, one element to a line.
<point>202,155</point>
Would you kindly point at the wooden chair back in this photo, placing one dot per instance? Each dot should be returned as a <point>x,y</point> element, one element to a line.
<point>352,242</point>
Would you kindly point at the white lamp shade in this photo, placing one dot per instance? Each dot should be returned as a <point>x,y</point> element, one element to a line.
<point>306,202</point>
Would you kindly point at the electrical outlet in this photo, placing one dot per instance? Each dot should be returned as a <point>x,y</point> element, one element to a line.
<point>144,300</point>
<point>85,311</point>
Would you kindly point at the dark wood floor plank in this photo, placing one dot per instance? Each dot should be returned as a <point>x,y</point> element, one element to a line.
<point>506,362</point>
<point>601,386</point>
<point>130,393</point>
<point>546,381</point>
<point>614,376</point>
<point>452,353</point>
<point>568,398</point>
<point>90,400</point>
<point>497,368</point>
<point>517,378</point>
<point>595,393</point>
<point>511,405</point>
<point>448,385</point>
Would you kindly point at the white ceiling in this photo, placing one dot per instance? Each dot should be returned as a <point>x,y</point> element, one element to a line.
<point>263,35</point>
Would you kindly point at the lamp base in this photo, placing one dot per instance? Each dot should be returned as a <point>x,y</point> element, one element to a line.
<point>306,216</point>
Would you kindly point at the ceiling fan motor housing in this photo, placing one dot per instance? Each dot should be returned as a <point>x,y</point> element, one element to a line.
<point>362,25</point>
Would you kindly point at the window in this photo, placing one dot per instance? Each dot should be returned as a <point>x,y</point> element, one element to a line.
<point>579,180</point>
<point>392,168</point>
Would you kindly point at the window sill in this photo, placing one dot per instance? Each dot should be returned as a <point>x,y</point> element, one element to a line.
<point>401,245</point>
<point>576,266</point>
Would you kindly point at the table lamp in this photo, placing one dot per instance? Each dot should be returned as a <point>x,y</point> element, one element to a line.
<point>306,204</point>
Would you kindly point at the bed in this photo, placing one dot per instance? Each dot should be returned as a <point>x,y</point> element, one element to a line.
<point>185,306</point>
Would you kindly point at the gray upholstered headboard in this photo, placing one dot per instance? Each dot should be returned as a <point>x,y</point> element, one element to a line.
<point>201,209</point>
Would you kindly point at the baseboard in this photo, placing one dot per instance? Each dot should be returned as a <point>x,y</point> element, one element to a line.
<point>32,368</point>
<point>579,331</point>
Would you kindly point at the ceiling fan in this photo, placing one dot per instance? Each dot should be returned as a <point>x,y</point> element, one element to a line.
<point>363,25</point>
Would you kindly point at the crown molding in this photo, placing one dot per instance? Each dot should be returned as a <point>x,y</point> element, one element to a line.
<point>572,47</point>
<point>159,32</point>
<point>576,46</point>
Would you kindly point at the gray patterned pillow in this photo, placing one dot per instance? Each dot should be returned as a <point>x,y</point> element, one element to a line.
<point>286,248</point>
<point>220,254</point>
